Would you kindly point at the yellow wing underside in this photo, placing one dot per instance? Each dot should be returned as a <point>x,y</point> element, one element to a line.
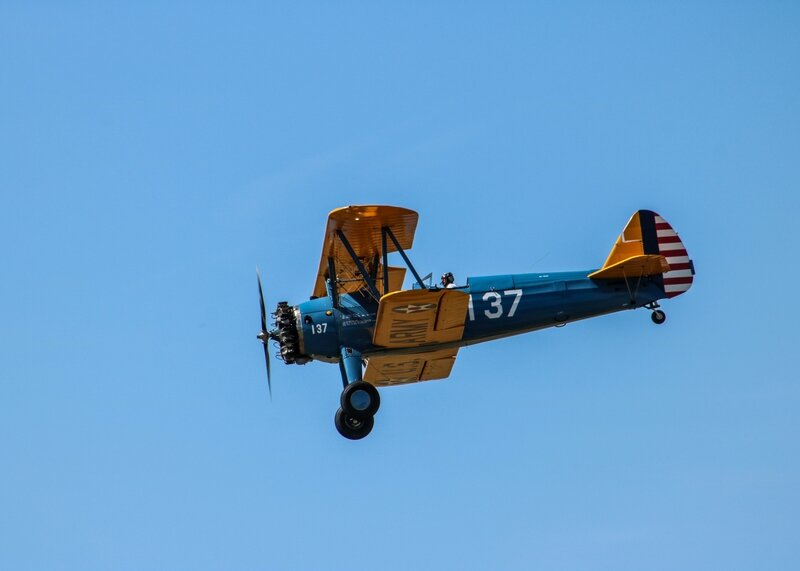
<point>390,370</point>
<point>417,318</point>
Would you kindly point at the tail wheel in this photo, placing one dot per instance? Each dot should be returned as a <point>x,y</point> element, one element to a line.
<point>351,427</point>
<point>658,317</point>
<point>360,400</point>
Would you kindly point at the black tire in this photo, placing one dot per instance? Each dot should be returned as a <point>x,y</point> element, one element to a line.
<point>353,428</point>
<point>658,317</point>
<point>360,400</point>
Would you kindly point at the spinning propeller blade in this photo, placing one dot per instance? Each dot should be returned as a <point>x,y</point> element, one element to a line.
<point>264,334</point>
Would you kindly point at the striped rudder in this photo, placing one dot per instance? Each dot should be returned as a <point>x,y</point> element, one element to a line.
<point>681,269</point>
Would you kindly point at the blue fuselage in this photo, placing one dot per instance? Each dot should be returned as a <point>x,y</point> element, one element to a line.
<point>499,306</point>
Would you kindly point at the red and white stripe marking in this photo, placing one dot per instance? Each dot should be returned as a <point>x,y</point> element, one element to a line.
<point>679,277</point>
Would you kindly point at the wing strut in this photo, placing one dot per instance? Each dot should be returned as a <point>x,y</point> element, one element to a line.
<point>332,289</point>
<point>364,274</point>
<point>628,285</point>
<point>388,231</point>
<point>385,251</point>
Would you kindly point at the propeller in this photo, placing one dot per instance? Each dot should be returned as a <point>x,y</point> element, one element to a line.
<point>264,335</point>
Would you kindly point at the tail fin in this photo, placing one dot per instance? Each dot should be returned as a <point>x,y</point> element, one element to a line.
<point>649,246</point>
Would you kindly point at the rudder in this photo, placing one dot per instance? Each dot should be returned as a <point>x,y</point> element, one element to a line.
<point>680,276</point>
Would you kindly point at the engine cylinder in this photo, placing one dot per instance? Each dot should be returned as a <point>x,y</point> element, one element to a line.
<point>287,335</point>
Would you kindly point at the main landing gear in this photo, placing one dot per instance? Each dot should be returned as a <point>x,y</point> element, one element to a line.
<point>359,401</point>
<point>657,316</point>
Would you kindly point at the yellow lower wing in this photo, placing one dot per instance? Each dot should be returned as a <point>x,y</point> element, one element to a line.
<point>633,267</point>
<point>419,317</point>
<point>401,369</point>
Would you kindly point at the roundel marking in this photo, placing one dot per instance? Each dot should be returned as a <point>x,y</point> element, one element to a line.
<point>414,308</point>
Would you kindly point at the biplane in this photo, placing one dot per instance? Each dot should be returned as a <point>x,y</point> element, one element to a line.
<point>360,317</point>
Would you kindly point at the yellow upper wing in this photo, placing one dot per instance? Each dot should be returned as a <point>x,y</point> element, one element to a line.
<point>362,225</point>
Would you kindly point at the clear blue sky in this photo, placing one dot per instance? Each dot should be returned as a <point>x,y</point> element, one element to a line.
<point>151,156</point>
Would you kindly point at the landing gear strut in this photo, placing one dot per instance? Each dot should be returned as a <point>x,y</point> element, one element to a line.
<point>359,401</point>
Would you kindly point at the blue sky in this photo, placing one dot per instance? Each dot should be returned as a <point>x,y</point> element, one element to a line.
<point>153,155</point>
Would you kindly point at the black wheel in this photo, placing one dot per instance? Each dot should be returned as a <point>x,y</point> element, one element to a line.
<point>351,427</point>
<point>658,317</point>
<point>360,399</point>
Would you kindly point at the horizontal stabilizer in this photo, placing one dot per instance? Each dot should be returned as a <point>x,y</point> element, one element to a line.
<point>633,267</point>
